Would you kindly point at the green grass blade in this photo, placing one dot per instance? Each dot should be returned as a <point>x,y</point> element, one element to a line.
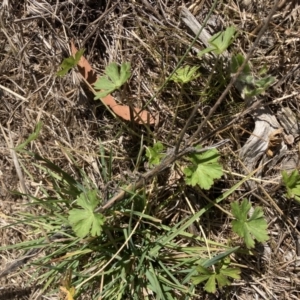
<point>195,217</point>
<point>31,137</point>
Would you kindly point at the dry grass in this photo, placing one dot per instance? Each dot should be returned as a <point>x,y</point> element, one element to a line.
<point>35,38</point>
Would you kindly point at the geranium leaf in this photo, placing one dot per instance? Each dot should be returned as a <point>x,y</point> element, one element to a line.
<point>251,228</point>
<point>204,169</point>
<point>185,74</point>
<point>154,154</point>
<point>115,76</point>
<point>292,184</point>
<point>84,221</point>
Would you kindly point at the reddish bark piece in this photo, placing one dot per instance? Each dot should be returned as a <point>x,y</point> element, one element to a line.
<point>123,111</point>
<point>110,101</point>
<point>139,116</point>
<point>84,67</point>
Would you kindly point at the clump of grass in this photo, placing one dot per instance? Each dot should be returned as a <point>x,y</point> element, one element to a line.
<point>128,253</point>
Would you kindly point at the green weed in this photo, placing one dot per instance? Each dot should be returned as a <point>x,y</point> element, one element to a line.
<point>69,63</point>
<point>126,252</point>
<point>115,76</point>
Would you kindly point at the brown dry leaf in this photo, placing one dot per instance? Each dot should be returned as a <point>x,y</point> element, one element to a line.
<point>275,140</point>
<point>123,111</point>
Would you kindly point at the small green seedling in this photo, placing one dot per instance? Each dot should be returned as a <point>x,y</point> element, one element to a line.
<point>292,184</point>
<point>154,154</point>
<point>204,169</point>
<point>253,228</point>
<point>220,41</point>
<point>236,62</point>
<point>69,63</point>
<point>219,276</point>
<point>115,76</point>
<point>84,221</point>
<point>185,74</point>
<point>251,86</point>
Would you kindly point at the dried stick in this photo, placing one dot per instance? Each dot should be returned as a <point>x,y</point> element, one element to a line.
<point>166,162</point>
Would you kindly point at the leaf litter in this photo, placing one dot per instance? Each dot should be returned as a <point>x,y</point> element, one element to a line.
<point>123,111</point>
<point>33,74</point>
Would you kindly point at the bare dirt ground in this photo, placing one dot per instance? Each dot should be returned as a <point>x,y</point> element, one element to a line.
<point>35,37</point>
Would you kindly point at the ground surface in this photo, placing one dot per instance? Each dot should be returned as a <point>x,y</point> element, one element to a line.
<point>35,37</point>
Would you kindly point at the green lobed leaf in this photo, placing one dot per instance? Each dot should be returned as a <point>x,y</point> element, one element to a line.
<point>206,50</point>
<point>229,36</point>
<point>102,94</point>
<point>204,270</point>
<point>236,63</point>
<point>253,228</point>
<point>69,63</point>
<point>257,214</point>
<point>210,285</point>
<point>290,180</point>
<point>219,275</point>
<point>125,72</point>
<point>222,280</point>
<point>231,272</point>
<point>251,92</point>
<point>84,221</point>
<point>292,184</point>
<point>204,169</point>
<point>240,211</point>
<point>112,71</point>
<point>115,76</point>
<point>78,55</point>
<point>222,40</point>
<point>258,228</point>
<point>185,74</point>
<point>265,82</point>
<point>257,87</point>
<point>103,83</point>
<point>252,86</point>
<point>154,154</point>
<point>200,278</point>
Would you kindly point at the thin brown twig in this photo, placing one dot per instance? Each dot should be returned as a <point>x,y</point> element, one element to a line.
<point>166,162</point>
